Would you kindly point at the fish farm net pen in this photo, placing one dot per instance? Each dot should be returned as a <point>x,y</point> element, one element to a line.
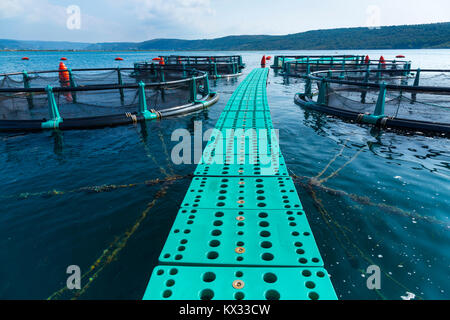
<point>299,69</point>
<point>280,60</point>
<point>216,66</point>
<point>412,100</point>
<point>103,97</point>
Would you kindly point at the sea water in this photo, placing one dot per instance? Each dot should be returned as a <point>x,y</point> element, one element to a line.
<point>97,198</point>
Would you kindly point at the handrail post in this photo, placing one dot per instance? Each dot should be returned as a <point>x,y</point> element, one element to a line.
<point>342,75</point>
<point>143,108</point>
<point>26,85</point>
<point>416,84</point>
<point>208,91</point>
<point>381,102</point>
<point>308,66</point>
<point>378,113</point>
<point>184,70</point>
<point>210,67</point>
<point>55,117</point>
<point>193,90</point>
<point>323,93</point>
<point>120,82</point>
<point>73,84</point>
<point>378,79</point>
<point>366,80</point>
<point>308,87</point>
<point>26,80</point>
<point>161,74</point>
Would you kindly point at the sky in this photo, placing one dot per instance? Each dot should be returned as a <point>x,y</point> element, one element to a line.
<point>140,20</point>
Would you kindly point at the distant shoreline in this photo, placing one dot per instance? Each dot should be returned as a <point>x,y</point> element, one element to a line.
<point>131,51</point>
<point>424,36</point>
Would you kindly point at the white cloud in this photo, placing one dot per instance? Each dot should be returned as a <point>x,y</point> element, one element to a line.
<point>188,15</point>
<point>31,11</point>
<point>10,8</point>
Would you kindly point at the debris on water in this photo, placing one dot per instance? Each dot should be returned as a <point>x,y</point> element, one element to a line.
<point>409,296</point>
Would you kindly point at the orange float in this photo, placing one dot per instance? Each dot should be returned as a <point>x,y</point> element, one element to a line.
<point>64,79</point>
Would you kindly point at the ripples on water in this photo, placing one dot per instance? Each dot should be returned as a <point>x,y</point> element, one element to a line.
<point>105,199</point>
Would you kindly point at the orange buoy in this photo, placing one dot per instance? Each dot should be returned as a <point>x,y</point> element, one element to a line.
<point>263,62</point>
<point>161,62</point>
<point>119,59</point>
<point>156,59</point>
<point>64,79</point>
<point>400,56</point>
<point>63,59</point>
<point>268,58</point>
<point>383,62</point>
<point>367,60</point>
<point>25,58</point>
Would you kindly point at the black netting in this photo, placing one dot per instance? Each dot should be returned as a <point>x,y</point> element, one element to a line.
<point>100,92</point>
<point>214,65</point>
<point>376,70</point>
<point>418,103</point>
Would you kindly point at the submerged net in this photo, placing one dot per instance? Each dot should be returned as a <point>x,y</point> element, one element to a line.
<point>417,96</point>
<point>215,66</point>
<point>97,92</point>
<point>425,106</point>
<point>301,68</point>
<point>280,62</point>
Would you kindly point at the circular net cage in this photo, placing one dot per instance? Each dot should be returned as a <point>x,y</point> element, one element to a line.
<point>302,67</point>
<point>101,93</point>
<point>410,99</point>
<point>215,66</point>
<point>280,61</point>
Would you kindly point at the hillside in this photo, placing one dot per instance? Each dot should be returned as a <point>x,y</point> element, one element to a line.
<point>393,37</point>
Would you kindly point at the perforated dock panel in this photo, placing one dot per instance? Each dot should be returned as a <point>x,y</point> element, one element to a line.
<point>241,232</point>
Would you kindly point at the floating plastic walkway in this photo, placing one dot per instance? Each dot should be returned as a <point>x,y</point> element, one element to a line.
<point>241,232</point>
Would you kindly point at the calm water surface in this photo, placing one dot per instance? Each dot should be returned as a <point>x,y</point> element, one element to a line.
<point>98,199</point>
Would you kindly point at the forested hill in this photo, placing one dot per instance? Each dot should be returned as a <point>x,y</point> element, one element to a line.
<point>394,37</point>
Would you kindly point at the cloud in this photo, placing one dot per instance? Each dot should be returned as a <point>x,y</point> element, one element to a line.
<point>32,11</point>
<point>187,16</point>
<point>10,8</point>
